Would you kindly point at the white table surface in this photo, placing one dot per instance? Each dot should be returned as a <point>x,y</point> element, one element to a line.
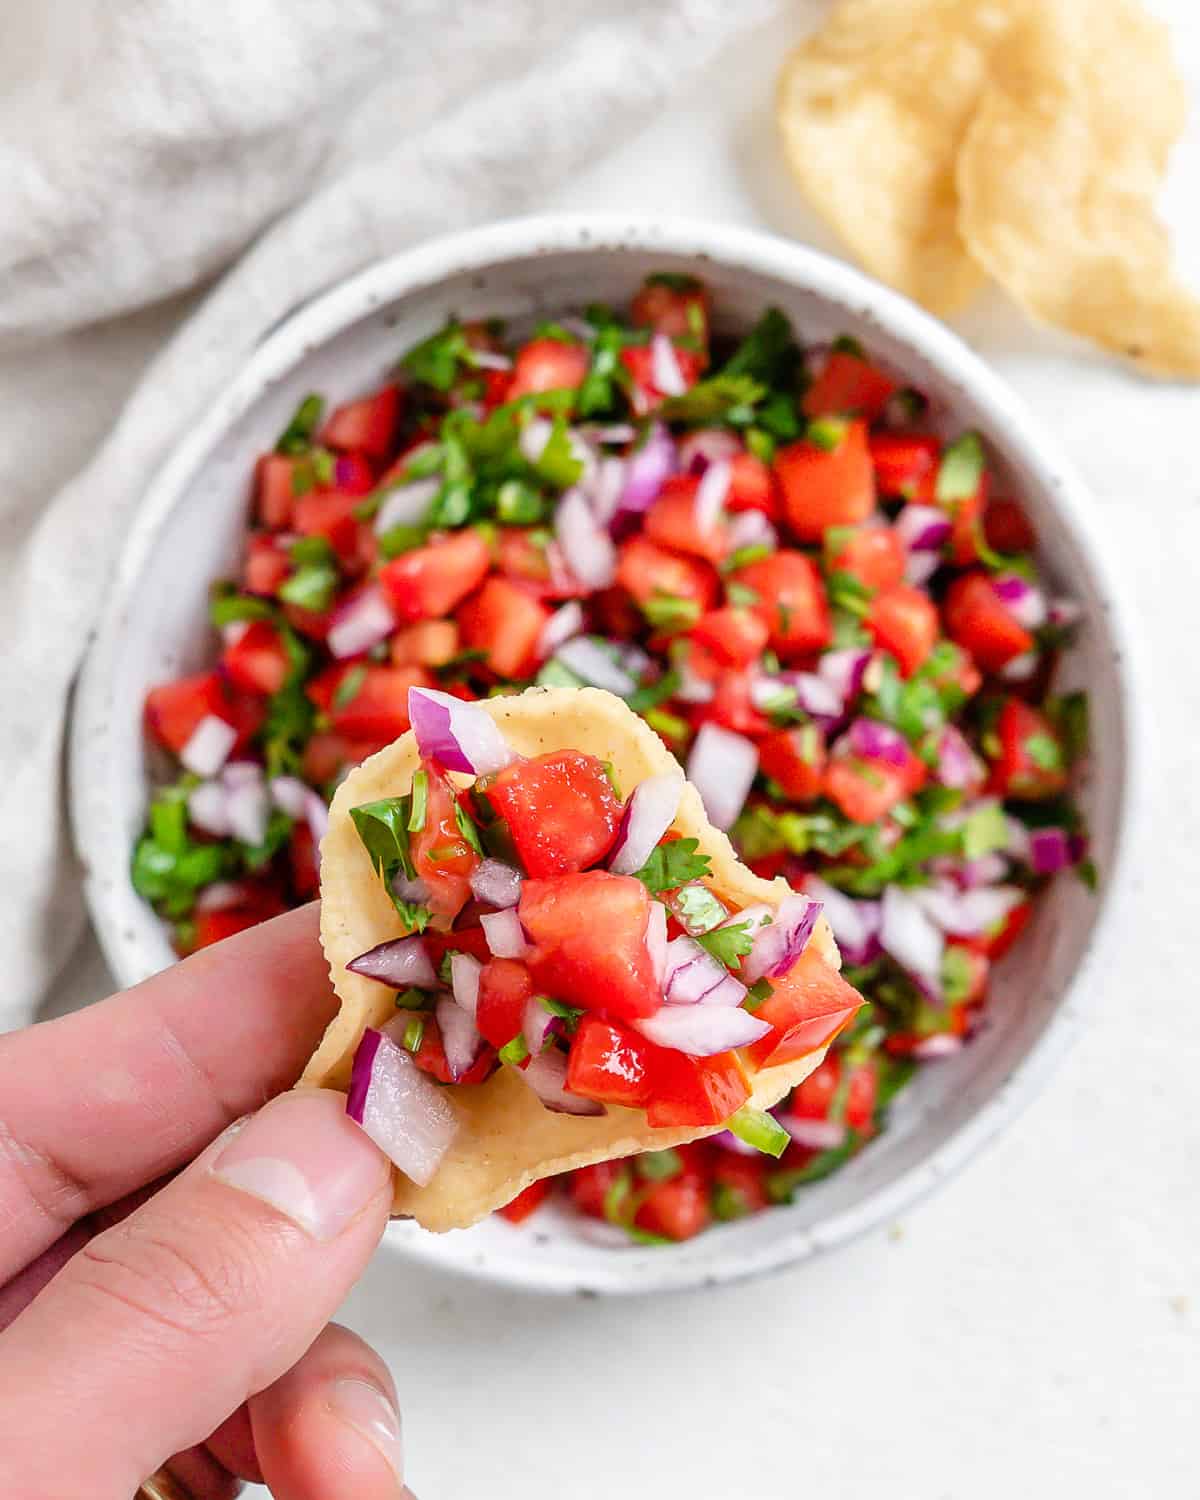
<point>1034,1330</point>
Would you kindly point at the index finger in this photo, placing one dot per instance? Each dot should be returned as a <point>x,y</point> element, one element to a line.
<point>97,1103</point>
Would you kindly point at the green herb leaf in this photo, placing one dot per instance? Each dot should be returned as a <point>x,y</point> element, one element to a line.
<point>646,698</point>
<point>769,352</point>
<point>697,910</point>
<point>519,504</point>
<point>350,686</point>
<point>960,470</point>
<point>557,463</point>
<point>297,435</point>
<point>467,828</point>
<point>435,361</point>
<point>728,1203</point>
<point>311,587</point>
<point>727,944</point>
<point>229,608</point>
<point>759,1129</point>
<point>569,1014</point>
<point>781,1186</point>
<point>721,398</point>
<point>757,995</point>
<point>673,864</point>
<point>383,828</point>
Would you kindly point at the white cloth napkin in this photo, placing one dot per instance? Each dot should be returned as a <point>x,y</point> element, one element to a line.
<point>143,143</point>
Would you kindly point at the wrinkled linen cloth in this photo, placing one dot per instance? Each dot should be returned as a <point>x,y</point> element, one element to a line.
<point>144,144</point>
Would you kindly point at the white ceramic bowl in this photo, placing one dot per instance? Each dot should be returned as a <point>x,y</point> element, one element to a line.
<point>188,532</point>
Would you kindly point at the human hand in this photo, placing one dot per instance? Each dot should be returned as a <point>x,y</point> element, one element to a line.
<point>147,1317</point>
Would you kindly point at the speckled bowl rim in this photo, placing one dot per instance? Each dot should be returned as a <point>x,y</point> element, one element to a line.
<point>424,267</point>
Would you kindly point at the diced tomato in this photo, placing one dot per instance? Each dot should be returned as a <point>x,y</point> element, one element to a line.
<point>791,601</point>
<point>743,1178</point>
<point>472,940</point>
<point>443,858</point>
<point>547,365</point>
<point>273,492</point>
<point>589,937</point>
<point>428,643</point>
<point>519,555</point>
<point>208,927</point>
<point>1007,527</point>
<point>733,636</point>
<point>175,709</point>
<point>813,1097</point>
<point>862,1092</point>
<point>303,862</point>
<point>504,990</point>
<point>695,1090</point>
<point>949,1020</point>
<point>977,618</point>
<point>671,521</point>
<point>806,1009</point>
<point>526,1201</point>
<point>560,808</point>
<point>848,385</point>
<point>329,514</point>
<point>645,395</point>
<point>258,659</point>
<point>905,466</point>
<point>648,571</point>
<point>590,1186</point>
<point>867,790</point>
<point>609,1063</point>
<point>504,621</point>
<point>365,701</point>
<point>732,707</point>
<point>267,564</point>
<point>994,945</point>
<point>1031,763</point>
<point>795,759</point>
<point>368,425</point>
<point>353,474</point>
<point>672,308</point>
<point>874,555</point>
<point>309,622</point>
<point>430,1057</point>
<point>327,754</point>
<point>966,517</point>
<point>827,487</point>
<point>678,1209</point>
<point>752,486</point>
<point>904,621</point>
<point>428,582</point>
<point>854,1087</point>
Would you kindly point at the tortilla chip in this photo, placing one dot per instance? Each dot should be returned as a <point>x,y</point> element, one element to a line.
<point>1058,173</point>
<point>872,110</point>
<point>507,1139</point>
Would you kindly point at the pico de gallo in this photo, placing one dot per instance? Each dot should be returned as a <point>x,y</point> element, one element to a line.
<point>827,607</point>
<point>579,940</point>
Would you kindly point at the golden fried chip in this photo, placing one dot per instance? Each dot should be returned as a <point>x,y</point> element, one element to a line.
<point>506,1138</point>
<point>872,110</point>
<point>1058,173</point>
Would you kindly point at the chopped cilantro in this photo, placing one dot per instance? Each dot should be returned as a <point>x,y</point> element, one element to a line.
<point>466,827</point>
<point>727,944</point>
<point>726,397</point>
<point>659,1166</point>
<point>401,538</point>
<point>597,394</point>
<point>697,910</point>
<point>435,361</point>
<point>420,800</point>
<point>1068,712</point>
<point>849,593</point>
<point>228,607</point>
<point>673,864</point>
<point>960,470</point>
<point>291,718</point>
<point>761,444</point>
<point>558,463</point>
<point>769,352</point>
<point>350,686</point>
<point>570,1015</point>
<point>298,434</point>
<point>519,504</point>
<point>956,974</point>
<point>670,612</point>
<point>779,417</point>
<point>383,828</point>
<point>554,674</point>
<point>728,1203</point>
<point>311,587</point>
<point>758,994</point>
<point>674,281</point>
<point>844,344</point>
<point>1045,752</point>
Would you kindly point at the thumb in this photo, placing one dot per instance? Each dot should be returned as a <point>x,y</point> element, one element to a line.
<point>160,1327</point>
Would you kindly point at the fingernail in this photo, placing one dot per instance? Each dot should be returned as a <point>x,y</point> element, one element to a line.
<point>306,1158</point>
<point>366,1409</point>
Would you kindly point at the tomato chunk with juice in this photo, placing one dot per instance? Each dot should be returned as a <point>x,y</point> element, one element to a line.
<point>689,1090</point>
<point>806,1009</point>
<point>504,621</point>
<point>428,582</point>
<point>561,810</point>
<point>609,1063</point>
<point>827,486</point>
<point>443,858</point>
<point>505,989</point>
<point>589,937</point>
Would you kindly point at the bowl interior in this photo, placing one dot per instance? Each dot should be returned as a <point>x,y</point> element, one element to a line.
<point>190,533</point>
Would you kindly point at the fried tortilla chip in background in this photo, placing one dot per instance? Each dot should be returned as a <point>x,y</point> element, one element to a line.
<point>872,110</point>
<point>1022,138</point>
<point>1058,174</point>
<point>507,1138</point>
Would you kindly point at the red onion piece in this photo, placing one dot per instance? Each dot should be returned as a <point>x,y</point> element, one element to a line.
<point>605,488</point>
<point>208,809</point>
<point>875,741</point>
<point>691,971</point>
<point>615,433</point>
<point>495,883</point>
<point>813,1135</point>
<point>728,992</point>
<point>586,545</point>
<point>750,528</point>
<point>1020,668</point>
<point>407,505</point>
<point>1050,850</point>
<point>843,671</point>
<point>942,1044</point>
<point>535,1026</point>
<point>711,494</point>
<point>361,622</point>
<point>648,814</point>
<point>459,736</point>
<point>1064,612</point>
<point>647,468</point>
<point>546,1075</point>
<point>1018,838</point>
<point>702,1030</point>
<point>656,941</point>
<point>504,933</point>
<point>460,1040</point>
<point>705,446</point>
<point>248,808</point>
<point>664,366</point>
<point>409,890</point>
<point>957,764</point>
<point>1023,600</point>
<point>813,693</point>
<point>232,633</point>
<point>298,800</point>
<point>778,946</point>
<point>967,913</point>
<point>855,924</point>
<point>692,689</point>
<point>910,936</point>
<point>465,970</point>
<point>534,436</point>
<point>919,567</point>
<point>922,528</point>
<point>221,895</point>
<point>593,661</point>
<point>401,963</point>
<point>208,746</point>
<point>407,1116</point>
<point>721,766</point>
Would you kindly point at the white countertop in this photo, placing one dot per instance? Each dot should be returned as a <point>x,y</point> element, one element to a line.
<point>1034,1329</point>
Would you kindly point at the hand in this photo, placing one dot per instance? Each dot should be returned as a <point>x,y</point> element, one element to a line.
<point>148,1316</point>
